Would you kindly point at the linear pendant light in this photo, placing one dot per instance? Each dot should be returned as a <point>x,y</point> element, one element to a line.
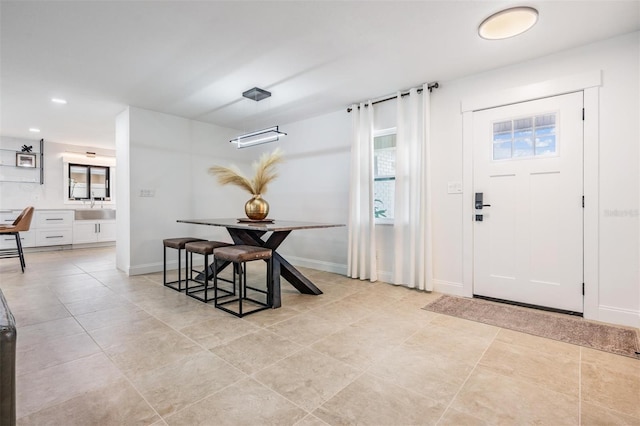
<point>271,134</point>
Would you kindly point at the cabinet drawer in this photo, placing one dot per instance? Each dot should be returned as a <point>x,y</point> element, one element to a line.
<point>54,219</point>
<point>53,237</point>
<point>28,239</point>
<point>7,217</point>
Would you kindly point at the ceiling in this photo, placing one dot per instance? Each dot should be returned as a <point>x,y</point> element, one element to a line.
<point>194,59</point>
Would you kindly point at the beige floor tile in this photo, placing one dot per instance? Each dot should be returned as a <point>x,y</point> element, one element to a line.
<point>37,315</point>
<point>355,347</point>
<point>244,403</point>
<point>611,381</point>
<point>305,328</point>
<point>119,334</point>
<point>475,329</point>
<point>181,383</point>
<point>215,332</point>
<point>372,401</point>
<point>406,356</point>
<point>311,420</point>
<point>550,371</point>
<point>53,352</point>
<point>499,399</point>
<point>343,311</point>
<point>138,356</point>
<point>593,415</point>
<point>37,334</point>
<point>109,301</point>
<point>115,404</point>
<point>449,343</point>
<point>455,418</point>
<point>122,315</point>
<point>539,344</point>
<point>307,378</point>
<point>271,316</point>
<point>49,386</point>
<point>417,369</point>
<point>68,297</point>
<point>255,351</point>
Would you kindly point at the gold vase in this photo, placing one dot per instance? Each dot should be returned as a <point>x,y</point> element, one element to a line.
<point>256,208</point>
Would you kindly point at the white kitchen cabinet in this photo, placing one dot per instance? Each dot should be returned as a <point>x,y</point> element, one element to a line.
<point>93,231</point>
<point>28,238</point>
<point>53,227</point>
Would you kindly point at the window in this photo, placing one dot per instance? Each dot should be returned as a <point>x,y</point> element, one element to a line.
<point>384,174</point>
<point>88,182</point>
<point>525,137</point>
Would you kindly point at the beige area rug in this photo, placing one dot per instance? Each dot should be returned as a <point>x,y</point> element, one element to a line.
<point>565,328</point>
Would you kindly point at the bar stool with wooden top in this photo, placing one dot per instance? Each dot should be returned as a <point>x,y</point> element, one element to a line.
<point>178,244</point>
<point>21,224</point>
<point>239,255</point>
<point>204,248</point>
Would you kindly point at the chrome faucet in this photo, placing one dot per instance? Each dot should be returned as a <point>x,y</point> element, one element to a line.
<point>93,199</point>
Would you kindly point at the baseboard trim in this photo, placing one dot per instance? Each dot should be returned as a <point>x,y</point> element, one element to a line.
<point>448,287</point>
<point>613,315</point>
<point>336,268</point>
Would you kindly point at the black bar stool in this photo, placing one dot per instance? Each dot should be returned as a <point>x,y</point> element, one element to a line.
<point>239,255</point>
<point>178,244</point>
<point>206,249</point>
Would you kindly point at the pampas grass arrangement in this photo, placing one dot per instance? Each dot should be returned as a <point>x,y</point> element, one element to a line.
<point>264,174</point>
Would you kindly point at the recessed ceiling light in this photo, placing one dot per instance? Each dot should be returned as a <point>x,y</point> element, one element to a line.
<point>34,130</point>
<point>508,23</point>
<point>58,101</point>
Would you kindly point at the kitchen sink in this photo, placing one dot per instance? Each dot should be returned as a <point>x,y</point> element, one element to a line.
<point>95,214</point>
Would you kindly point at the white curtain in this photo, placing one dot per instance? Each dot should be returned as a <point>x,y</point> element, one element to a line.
<point>412,222</point>
<point>362,241</point>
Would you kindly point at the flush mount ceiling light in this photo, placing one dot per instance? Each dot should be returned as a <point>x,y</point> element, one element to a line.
<point>34,130</point>
<point>508,23</point>
<point>272,134</point>
<point>256,94</point>
<point>59,101</point>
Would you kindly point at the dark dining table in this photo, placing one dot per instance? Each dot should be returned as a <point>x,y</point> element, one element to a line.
<point>253,233</point>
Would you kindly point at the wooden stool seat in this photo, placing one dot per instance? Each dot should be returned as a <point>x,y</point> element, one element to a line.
<point>178,244</point>
<point>239,255</point>
<point>204,248</point>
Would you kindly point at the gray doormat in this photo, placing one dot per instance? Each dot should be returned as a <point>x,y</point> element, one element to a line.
<point>565,328</point>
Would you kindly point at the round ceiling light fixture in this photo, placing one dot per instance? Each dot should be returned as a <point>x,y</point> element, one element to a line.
<point>508,23</point>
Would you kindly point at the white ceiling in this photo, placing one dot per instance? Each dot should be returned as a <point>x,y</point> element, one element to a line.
<point>194,59</point>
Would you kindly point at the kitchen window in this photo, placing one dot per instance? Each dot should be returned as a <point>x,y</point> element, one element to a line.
<point>87,182</point>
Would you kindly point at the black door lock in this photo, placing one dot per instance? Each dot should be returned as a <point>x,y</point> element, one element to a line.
<point>479,201</point>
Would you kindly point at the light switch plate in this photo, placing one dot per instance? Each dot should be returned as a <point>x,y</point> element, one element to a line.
<point>454,187</point>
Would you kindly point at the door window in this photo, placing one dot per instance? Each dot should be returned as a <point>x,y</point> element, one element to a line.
<point>525,137</point>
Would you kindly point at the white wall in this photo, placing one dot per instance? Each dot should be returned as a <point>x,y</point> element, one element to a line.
<point>618,58</point>
<point>168,156</point>
<point>313,186</point>
<point>50,195</point>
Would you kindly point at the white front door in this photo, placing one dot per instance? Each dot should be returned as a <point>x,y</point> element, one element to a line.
<point>528,244</point>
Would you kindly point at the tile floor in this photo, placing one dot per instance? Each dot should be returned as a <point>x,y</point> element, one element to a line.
<point>96,347</point>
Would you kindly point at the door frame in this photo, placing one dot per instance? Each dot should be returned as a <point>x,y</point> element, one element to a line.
<point>589,83</point>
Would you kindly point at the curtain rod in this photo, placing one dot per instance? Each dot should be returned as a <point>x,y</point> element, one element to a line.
<point>430,86</point>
